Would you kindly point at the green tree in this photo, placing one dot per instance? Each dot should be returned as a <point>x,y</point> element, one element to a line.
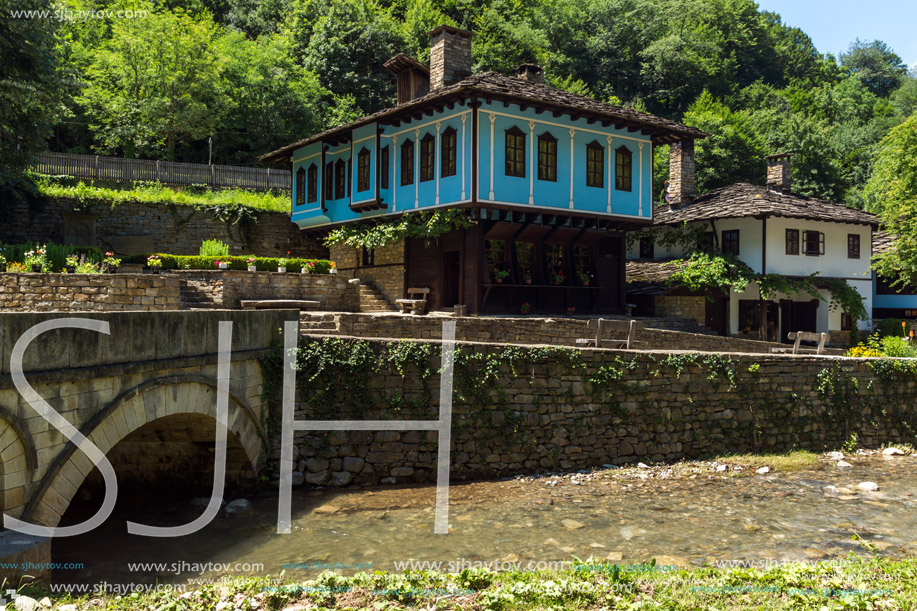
<point>30,86</point>
<point>734,150</point>
<point>892,193</point>
<point>276,100</point>
<point>876,65</point>
<point>156,82</point>
<point>345,42</point>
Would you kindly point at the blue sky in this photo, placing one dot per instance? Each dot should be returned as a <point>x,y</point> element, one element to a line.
<point>834,25</point>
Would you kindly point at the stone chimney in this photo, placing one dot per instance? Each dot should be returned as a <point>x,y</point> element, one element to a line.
<point>681,173</point>
<point>779,168</point>
<point>450,56</point>
<point>532,73</point>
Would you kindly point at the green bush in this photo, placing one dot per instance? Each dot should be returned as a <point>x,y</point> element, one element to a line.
<point>56,253</point>
<point>263,264</point>
<point>214,248</point>
<point>891,327</point>
<point>898,347</point>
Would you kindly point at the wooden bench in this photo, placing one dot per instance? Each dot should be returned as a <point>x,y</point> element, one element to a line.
<point>416,301</point>
<point>279,304</point>
<point>804,336</point>
<point>602,326</point>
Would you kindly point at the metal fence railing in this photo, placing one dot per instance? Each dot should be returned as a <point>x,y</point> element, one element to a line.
<point>167,172</point>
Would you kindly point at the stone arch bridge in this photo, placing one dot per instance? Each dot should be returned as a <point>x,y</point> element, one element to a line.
<point>143,395</point>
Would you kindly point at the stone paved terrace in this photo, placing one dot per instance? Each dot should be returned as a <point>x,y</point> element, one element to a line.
<point>526,330</point>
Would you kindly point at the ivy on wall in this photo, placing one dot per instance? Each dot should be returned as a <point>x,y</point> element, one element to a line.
<point>356,379</point>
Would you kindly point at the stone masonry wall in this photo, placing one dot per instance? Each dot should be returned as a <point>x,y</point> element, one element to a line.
<point>133,228</point>
<point>226,288</point>
<point>682,306</point>
<point>87,292</point>
<point>547,413</point>
<point>560,331</point>
<point>387,273</point>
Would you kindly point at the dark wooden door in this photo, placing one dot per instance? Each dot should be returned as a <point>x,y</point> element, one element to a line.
<point>609,267</point>
<point>715,314</point>
<point>451,278</point>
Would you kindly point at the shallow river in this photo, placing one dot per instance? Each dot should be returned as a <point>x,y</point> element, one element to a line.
<point>618,515</point>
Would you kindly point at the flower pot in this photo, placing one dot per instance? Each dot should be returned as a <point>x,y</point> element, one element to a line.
<point>282,269</point>
<point>529,281</point>
<point>224,266</point>
<point>154,270</point>
<point>36,268</point>
<point>112,269</point>
<point>252,268</point>
<point>71,269</point>
<point>499,280</point>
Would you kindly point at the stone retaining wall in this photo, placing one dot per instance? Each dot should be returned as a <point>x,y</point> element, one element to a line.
<point>559,331</point>
<point>226,288</point>
<point>607,407</point>
<point>386,274</point>
<point>87,292</point>
<point>134,228</point>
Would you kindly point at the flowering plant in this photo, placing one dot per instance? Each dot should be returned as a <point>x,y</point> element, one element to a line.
<point>71,261</point>
<point>559,278</point>
<point>37,258</point>
<point>154,261</point>
<point>250,261</point>
<point>526,308</point>
<point>585,278</point>
<point>111,260</point>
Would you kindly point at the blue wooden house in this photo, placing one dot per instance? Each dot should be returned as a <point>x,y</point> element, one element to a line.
<point>550,180</point>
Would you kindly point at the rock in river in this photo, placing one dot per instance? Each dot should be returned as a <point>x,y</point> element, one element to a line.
<point>868,486</point>
<point>842,464</point>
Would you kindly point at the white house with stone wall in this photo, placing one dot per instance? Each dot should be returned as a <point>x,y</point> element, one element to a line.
<point>772,230</point>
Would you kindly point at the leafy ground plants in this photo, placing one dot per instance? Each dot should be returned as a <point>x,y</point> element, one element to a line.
<point>854,582</point>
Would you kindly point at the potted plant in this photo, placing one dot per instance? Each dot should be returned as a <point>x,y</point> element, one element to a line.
<point>571,310</point>
<point>154,263</point>
<point>283,262</point>
<point>251,264</point>
<point>500,275</point>
<point>220,264</point>
<point>527,278</point>
<point>70,263</point>
<point>559,278</point>
<point>308,268</point>
<point>526,308</point>
<point>36,260</point>
<point>110,263</point>
<point>585,278</point>
<point>2,263</point>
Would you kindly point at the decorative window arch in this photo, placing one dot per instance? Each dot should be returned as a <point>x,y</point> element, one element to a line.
<point>340,179</point>
<point>595,165</point>
<point>427,157</point>
<point>363,170</point>
<point>624,161</point>
<point>515,152</point>
<point>407,162</point>
<point>313,184</point>
<point>447,155</point>
<point>300,186</point>
<point>547,157</point>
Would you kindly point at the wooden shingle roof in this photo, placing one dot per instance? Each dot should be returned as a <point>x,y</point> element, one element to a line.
<point>746,200</point>
<point>882,242</point>
<point>497,86</point>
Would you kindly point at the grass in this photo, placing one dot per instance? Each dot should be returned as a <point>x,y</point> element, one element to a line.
<point>154,193</point>
<point>867,583</point>
<point>791,461</point>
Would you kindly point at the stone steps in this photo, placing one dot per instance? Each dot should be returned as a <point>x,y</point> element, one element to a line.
<point>325,324</point>
<point>192,298</point>
<point>371,300</point>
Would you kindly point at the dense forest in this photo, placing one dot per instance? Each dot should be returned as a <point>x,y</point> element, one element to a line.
<point>251,75</point>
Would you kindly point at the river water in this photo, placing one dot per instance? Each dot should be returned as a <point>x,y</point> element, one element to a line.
<point>620,515</point>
